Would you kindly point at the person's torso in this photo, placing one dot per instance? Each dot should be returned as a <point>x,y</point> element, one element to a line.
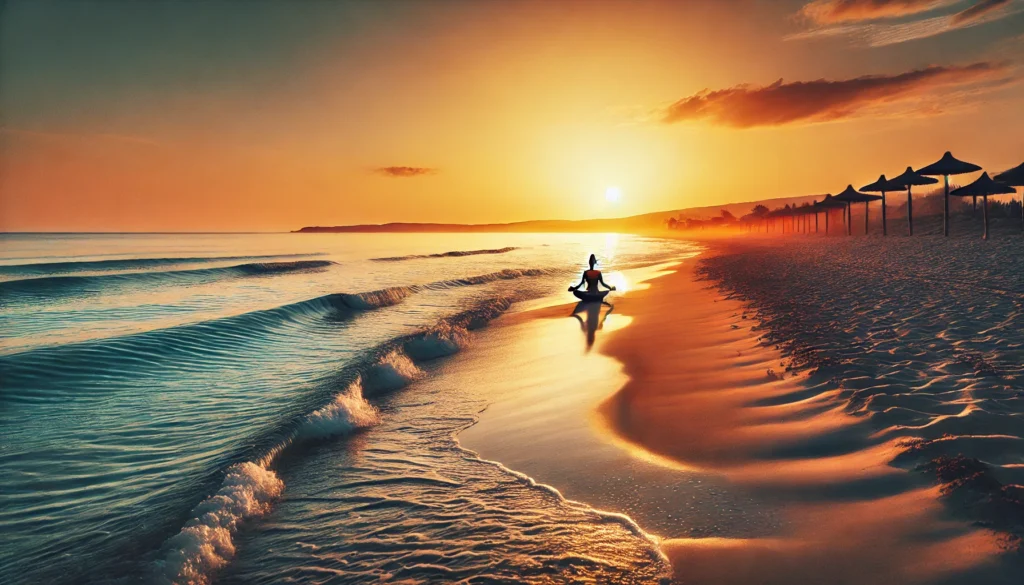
<point>592,277</point>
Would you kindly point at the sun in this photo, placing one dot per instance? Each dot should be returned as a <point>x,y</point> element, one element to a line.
<point>612,194</point>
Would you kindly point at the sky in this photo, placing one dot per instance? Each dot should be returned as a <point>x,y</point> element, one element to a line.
<point>264,116</point>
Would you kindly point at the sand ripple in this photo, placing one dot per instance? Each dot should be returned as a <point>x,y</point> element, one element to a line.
<point>923,337</point>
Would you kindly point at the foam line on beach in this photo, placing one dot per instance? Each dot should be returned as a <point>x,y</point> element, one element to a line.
<point>657,555</point>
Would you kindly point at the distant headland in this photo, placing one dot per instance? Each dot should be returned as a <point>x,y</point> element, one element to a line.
<point>645,222</point>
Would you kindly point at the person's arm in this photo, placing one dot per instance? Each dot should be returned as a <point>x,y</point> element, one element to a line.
<point>583,278</point>
<point>606,285</point>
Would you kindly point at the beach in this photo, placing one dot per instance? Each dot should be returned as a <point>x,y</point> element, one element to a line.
<point>365,408</point>
<point>802,411</point>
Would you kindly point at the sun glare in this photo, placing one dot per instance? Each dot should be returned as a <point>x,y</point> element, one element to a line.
<point>612,194</point>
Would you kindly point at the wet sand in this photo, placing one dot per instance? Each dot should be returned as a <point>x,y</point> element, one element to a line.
<point>751,457</point>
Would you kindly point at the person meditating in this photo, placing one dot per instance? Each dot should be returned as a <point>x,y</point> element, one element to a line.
<point>592,278</point>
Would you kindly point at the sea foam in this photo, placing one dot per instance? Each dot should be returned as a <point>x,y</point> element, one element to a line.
<point>205,543</point>
<point>347,412</point>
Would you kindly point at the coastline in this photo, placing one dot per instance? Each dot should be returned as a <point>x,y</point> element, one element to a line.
<point>710,393</point>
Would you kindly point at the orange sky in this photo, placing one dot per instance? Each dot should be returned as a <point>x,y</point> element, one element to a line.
<point>196,117</point>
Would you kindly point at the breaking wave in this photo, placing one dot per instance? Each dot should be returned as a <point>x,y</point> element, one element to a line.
<point>454,253</point>
<point>205,543</point>
<point>211,342</point>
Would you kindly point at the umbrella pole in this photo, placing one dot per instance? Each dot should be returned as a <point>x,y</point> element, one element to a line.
<point>816,221</point>
<point>910,210</point>
<point>849,218</point>
<point>826,221</point>
<point>984,210</point>
<point>945,207</point>
<point>885,230</point>
<point>974,205</point>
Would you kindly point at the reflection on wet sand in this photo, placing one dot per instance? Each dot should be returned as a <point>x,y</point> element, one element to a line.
<point>595,314</point>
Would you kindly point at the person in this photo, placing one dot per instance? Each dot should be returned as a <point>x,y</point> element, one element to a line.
<point>592,278</point>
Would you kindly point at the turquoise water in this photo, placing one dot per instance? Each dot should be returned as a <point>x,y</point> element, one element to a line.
<point>171,402</point>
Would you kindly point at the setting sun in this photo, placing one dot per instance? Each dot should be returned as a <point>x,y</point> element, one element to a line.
<point>612,194</point>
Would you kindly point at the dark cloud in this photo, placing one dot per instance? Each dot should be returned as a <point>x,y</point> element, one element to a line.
<point>781,103</point>
<point>979,9</point>
<point>835,11</point>
<point>404,172</point>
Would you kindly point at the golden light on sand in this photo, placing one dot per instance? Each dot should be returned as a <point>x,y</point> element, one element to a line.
<point>612,194</point>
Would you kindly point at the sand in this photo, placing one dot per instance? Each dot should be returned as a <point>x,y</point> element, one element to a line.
<point>867,395</point>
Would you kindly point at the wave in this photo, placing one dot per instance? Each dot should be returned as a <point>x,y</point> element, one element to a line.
<point>205,543</point>
<point>42,374</point>
<point>506,274</point>
<point>40,268</point>
<point>454,253</point>
<point>63,285</point>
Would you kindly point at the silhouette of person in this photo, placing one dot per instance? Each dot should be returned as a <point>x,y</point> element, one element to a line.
<point>592,278</point>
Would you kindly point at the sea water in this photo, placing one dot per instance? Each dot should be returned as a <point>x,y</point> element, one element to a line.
<point>180,408</point>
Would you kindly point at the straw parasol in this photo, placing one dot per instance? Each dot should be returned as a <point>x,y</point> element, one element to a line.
<point>946,166</point>
<point>984,187</point>
<point>881,186</point>
<point>1015,178</point>
<point>827,204</point>
<point>851,196</point>
<point>907,180</point>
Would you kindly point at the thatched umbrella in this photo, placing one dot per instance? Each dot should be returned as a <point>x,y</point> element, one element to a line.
<point>851,196</point>
<point>907,180</point>
<point>827,205</point>
<point>984,187</point>
<point>946,166</point>
<point>881,186</point>
<point>1015,178</point>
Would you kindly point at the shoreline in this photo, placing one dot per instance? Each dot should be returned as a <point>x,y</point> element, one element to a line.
<point>755,419</point>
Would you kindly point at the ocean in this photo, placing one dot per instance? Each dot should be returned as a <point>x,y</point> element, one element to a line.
<point>265,408</point>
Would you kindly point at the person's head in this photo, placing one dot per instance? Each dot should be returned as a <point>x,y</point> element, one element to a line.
<point>593,261</point>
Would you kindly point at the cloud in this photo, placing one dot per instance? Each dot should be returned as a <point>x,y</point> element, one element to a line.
<point>977,11</point>
<point>404,172</point>
<point>879,34</point>
<point>836,11</point>
<point>746,106</point>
